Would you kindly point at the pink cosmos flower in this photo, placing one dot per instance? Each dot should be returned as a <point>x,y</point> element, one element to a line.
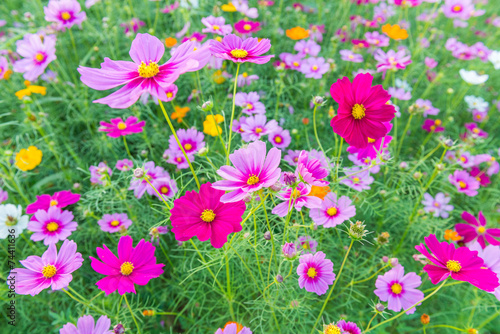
<point>357,180</point>
<point>430,62</point>
<point>195,37</point>
<point>170,8</point>
<point>362,110</point>
<point>37,55</point>
<point>119,127</point>
<point>491,258</point>
<point>309,48</point>
<point>426,107</point>
<point>333,212</point>
<point>348,55</point>
<point>65,13</point>
<point>377,39</point>
<point>233,329</point>
<point>4,195</point>
<point>292,157</point>
<point>315,273</point>
<point>316,32</point>
<point>475,230</point>
<point>348,327</point>
<point>238,50</point>
<point>252,171</point>
<point>458,9</point>
<point>52,225</point>
<point>60,199</point>
<point>124,165</point>
<point>399,290</point>
<point>280,138</point>
<point>132,26</point>
<point>51,270</point>
<point>399,93</point>
<point>242,7</point>
<point>115,222</point>
<point>432,125</point>
<point>204,215</point>
<point>99,174</point>
<point>176,157</point>
<point>461,264</point>
<point>134,265</point>
<point>466,160</point>
<point>152,172</point>
<point>438,205</point>
<point>464,182</point>
<point>295,198</point>
<point>87,325</point>
<point>216,25</point>
<point>491,162</point>
<point>257,126</point>
<point>475,131</point>
<point>246,79</point>
<point>319,155</point>
<point>143,74</point>
<point>391,60</point>
<point>306,244</point>
<point>310,171</point>
<point>360,43</point>
<point>374,147</point>
<point>479,116</point>
<point>247,27</point>
<point>190,139</point>
<point>372,165</point>
<point>314,67</point>
<point>482,177</point>
<point>165,186</point>
<point>250,103</point>
<point>4,67</point>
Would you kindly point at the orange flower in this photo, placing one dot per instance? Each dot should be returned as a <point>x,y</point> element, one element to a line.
<point>297,33</point>
<point>425,319</point>
<point>451,235</point>
<point>395,32</point>
<point>148,313</point>
<point>29,90</point>
<point>228,7</point>
<point>180,113</point>
<point>170,42</point>
<point>319,192</point>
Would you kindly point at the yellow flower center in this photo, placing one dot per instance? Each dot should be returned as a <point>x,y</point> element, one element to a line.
<point>278,139</point>
<point>39,57</point>
<point>464,159</point>
<point>436,204</point>
<point>207,216</point>
<point>296,64</point>
<point>358,111</point>
<point>295,194</point>
<point>396,288</point>
<point>164,190</point>
<point>239,53</point>
<point>311,272</point>
<point>331,211</point>
<point>49,271</point>
<point>52,226</point>
<point>245,74</point>
<point>179,159</point>
<point>332,329</point>
<point>247,27</point>
<point>371,140</point>
<point>122,126</point>
<point>11,221</point>
<point>481,229</point>
<point>457,8</point>
<point>53,202</point>
<point>453,265</point>
<point>306,245</point>
<point>476,130</point>
<point>115,223</point>
<point>315,68</point>
<point>462,184</point>
<point>216,27</point>
<point>148,71</point>
<point>188,147</point>
<point>258,130</point>
<point>126,268</point>
<point>355,179</point>
<point>249,106</point>
<point>169,95</point>
<point>437,122</point>
<point>65,16</point>
<point>253,179</point>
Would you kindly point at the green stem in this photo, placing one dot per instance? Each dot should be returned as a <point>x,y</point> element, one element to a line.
<point>232,115</point>
<point>403,136</point>
<point>126,147</point>
<point>132,313</point>
<point>157,192</point>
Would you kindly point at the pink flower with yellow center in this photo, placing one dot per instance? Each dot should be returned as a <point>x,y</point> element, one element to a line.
<point>119,127</point>
<point>52,225</point>
<point>475,229</point>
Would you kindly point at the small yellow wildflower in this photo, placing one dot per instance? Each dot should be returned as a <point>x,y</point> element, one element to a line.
<point>28,159</point>
<point>210,126</point>
<point>30,89</point>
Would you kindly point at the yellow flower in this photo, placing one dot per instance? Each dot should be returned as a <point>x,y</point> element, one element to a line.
<point>180,113</point>
<point>28,159</point>
<point>218,77</point>
<point>228,7</point>
<point>30,89</point>
<point>210,126</point>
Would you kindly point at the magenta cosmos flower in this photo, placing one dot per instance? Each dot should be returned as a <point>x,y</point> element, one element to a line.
<point>190,139</point>
<point>238,50</point>
<point>333,212</point>
<point>362,110</point>
<point>51,270</point>
<point>99,174</point>
<point>143,74</point>
<point>37,55</point>
<point>134,265</point>
<point>296,198</point>
<point>124,165</point>
<point>391,60</point>
<point>60,199</point>
<point>152,172</point>
<point>475,229</point>
<point>132,26</point>
<point>310,171</point>
<point>306,244</point>
<point>52,225</point>
<point>119,127</point>
<point>432,125</point>
<point>399,290</point>
<point>246,27</point>
<point>166,187</point>
<point>315,273</point>
<point>461,264</point>
<point>464,182</point>
<point>204,215</point>
<point>4,67</point>
<point>252,171</point>
<point>65,13</point>
<point>491,257</point>
<point>116,222</point>
<point>87,325</point>
<point>374,147</point>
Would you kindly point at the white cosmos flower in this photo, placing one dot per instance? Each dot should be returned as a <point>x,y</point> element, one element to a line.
<point>11,218</point>
<point>494,57</point>
<point>472,77</point>
<point>475,102</point>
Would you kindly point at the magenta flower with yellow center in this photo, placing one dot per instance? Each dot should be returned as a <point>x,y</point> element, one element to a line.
<point>119,127</point>
<point>236,49</point>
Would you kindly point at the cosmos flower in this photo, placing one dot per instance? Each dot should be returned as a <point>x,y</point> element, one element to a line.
<point>190,139</point>
<point>357,180</point>
<point>426,107</point>
<point>204,215</point>
<point>256,127</point>
<point>306,244</point>
<point>242,7</point>
<point>348,327</point>
<point>119,127</point>
<point>399,290</point>
<point>458,9</point>
<point>100,174</point>
<point>246,79</point>
<point>250,103</point>
<point>4,195</point>
<point>52,225</point>
<point>461,264</point>
<point>374,147</point>
<point>87,325</point>
<point>53,269</point>
<point>466,160</point>
<point>115,222</point>
<point>310,170</point>
<point>348,55</point>
<point>134,265</point>
<point>297,198</point>
<point>475,130</point>
<point>491,257</point>
<point>64,13</point>
<point>391,60</point>
<point>166,186</point>
<point>280,138</point>
<point>292,157</point>
<point>333,212</point>
<point>438,205</point>
<point>195,37</point>
<point>132,25</point>
<point>252,171</point>
<point>124,165</point>
<point>432,125</point>
<point>472,77</point>
<point>216,25</point>
<point>376,39</point>
<point>4,68</point>
<point>362,112</point>
<point>372,165</point>
<point>476,103</point>
<point>430,62</point>
<point>152,172</point>
<point>289,250</point>
<point>309,48</point>
<point>234,328</point>
<point>143,74</point>
<point>247,27</point>
<point>12,221</point>
<point>314,67</point>
<point>316,32</point>
<point>464,182</point>
<point>399,93</point>
<point>238,50</point>
<point>482,177</point>
<point>28,159</point>
<point>493,57</point>
<point>475,230</point>
<point>315,273</point>
<point>59,199</point>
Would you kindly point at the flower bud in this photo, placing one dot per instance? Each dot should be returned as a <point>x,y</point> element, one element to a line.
<point>318,100</point>
<point>440,167</point>
<point>118,329</point>
<point>207,106</point>
<point>380,307</point>
<point>77,185</point>
<point>289,251</point>
<point>357,231</point>
<point>267,235</point>
<point>203,151</point>
<point>403,165</point>
<point>138,173</point>
<point>382,238</point>
<point>448,143</point>
<point>276,187</point>
<point>393,262</point>
<point>450,91</point>
<point>417,175</point>
<point>289,178</point>
<point>279,278</point>
<point>425,319</point>
<point>144,153</point>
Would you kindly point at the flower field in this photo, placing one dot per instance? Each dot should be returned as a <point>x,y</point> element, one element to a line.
<point>250,166</point>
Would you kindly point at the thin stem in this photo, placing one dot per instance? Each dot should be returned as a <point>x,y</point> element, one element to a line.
<point>208,268</point>
<point>179,143</point>
<point>132,313</point>
<point>316,130</point>
<point>232,115</point>
<point>157,192</point>
<point>403,136</point>
<point>369,323</point>
<point>338,158</point>
<point>369,278</point>
<point>126,147</point>
<point>447,326</point>
<point>228,275</point>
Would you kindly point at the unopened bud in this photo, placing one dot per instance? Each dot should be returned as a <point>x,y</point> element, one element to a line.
<point>450,91</point>
<point>276,187</point>
<point>279,278</point>
<point>439,166</point>
<point>385,259</point>
<point>357,231</point>
<point>289,178</point>
<point>138,173</point>
<point>393,262</point>
<point>380,307</point>
<point>417,175</point>
<point>318,100</point>
<point>118,329</point>
<point>207,106</point>
<point>203,151</point>
<point>425,319</point>
<point>403,165</point>
<point>289,251</point>
<point>267,235</point>
<point>382,238</point>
